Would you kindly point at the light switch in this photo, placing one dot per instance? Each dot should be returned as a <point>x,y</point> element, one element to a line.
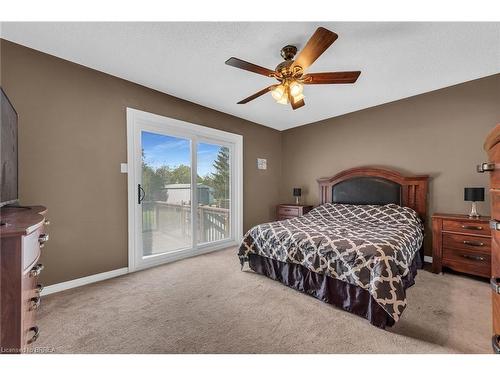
<point>261,163</point>
<point>124,168</point>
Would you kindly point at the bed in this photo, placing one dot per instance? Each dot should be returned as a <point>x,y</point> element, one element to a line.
<point>358,250</point>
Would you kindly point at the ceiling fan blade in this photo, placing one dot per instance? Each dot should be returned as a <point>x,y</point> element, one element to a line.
<point>257,94</point>
<point>297,104</point>
<point>316,45</point>
<point>245,65</point>
<point>330,77</point>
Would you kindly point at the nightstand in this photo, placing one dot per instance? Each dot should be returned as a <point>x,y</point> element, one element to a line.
<point>462,244</point>
<point>289,211</point>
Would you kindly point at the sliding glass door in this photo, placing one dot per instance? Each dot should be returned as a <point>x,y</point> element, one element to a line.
<point>214,192</point>
<point>185,183</point>
<point>165,193</point>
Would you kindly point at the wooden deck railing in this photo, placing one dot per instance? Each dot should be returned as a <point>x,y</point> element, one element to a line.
<point>213,222</point>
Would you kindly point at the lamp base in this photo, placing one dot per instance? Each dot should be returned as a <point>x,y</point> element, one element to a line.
<point>473,212</point>
<point>296,200</point>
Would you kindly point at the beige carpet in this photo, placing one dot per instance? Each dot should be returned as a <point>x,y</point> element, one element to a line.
<point>207,305</point>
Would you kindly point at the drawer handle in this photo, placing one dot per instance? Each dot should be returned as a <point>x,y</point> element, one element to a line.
<point>36,334</point>
<point>495,225</point>
<point>474,257</point>
<point>495,284</point>
<point>35,271</point>
<point>35,303</point>
<point>39,288</point>
<point>473,243</point>
<point>472,227</point>
<point>495,342</point>
<point>42,239</point>
<point>486,167</point>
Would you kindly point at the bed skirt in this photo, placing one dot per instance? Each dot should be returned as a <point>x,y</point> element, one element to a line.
<point>327,289</point>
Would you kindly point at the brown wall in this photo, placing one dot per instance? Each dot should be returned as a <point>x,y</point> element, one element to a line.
<point>440,133</point>
<point>72,139</point>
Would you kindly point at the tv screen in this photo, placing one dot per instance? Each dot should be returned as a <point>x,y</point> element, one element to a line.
<point>8,151</point>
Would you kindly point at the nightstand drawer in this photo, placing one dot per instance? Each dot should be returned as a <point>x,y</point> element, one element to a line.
<point>472,227</point>
<point>474,244</point>
<point>467,261</point>
<point>288,211</point>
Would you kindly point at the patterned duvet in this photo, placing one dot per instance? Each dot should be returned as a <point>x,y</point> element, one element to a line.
<point>368,246</point>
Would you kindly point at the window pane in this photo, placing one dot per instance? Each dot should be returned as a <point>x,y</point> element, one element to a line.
<point>166,181</point>
<point>214,193</point>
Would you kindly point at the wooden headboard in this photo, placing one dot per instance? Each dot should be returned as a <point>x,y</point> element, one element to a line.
<point>412,189</point>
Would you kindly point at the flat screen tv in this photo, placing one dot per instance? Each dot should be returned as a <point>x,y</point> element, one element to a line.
<point>8,151</point>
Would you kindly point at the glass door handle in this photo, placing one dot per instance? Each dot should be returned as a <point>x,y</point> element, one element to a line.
<point>141,194</point>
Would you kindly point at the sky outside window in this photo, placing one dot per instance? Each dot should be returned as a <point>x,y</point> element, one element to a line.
<point>162,150</point>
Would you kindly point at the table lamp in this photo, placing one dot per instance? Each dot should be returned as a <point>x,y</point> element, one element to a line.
<point>474,194</point>
<point>297,192</point>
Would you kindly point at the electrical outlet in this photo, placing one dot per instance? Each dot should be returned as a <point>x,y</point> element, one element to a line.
<point>261,163</point>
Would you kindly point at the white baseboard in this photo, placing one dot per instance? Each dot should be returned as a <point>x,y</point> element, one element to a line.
<point>427,259</point>
<point>83,281</point>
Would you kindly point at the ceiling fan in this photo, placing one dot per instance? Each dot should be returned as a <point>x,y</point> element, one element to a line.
<point>291,72</point>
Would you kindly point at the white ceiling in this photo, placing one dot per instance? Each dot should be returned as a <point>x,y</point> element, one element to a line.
<point>186,60</point>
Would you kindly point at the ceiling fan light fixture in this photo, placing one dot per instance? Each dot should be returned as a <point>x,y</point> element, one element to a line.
<point>278,93</point>
<point>283,100</point>
<point>296,88</point>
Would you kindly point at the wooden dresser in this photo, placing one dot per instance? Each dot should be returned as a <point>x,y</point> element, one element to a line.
<point>22,235</point>
<point>492,147</point>
<point>289,211</point>
<point>462,244</point>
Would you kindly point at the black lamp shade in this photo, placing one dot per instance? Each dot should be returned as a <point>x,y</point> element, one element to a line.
<point>474,194</point>
<point>297,192</point>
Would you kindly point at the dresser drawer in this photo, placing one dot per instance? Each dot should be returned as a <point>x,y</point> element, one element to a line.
<point>495,301</point>
<point>495,203</point>
<point>472,227</point>
<point>288,211</point>
<point>495,254</point>
<point>470,243</point>
<point>494,157</point>
<point>31,248</point>
<point>31,304</point>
